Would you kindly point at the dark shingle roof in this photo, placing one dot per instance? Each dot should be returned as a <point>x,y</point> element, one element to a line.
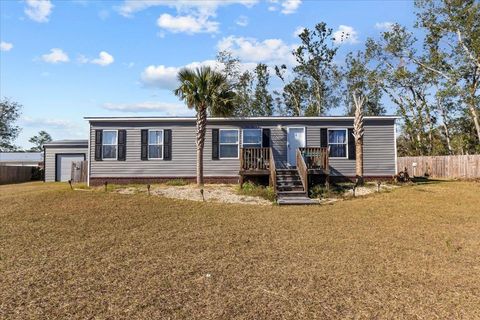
<point>67,143</point>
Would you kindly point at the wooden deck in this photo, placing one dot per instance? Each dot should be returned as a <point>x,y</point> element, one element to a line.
<point>311,161</point>
<point>257,162</point>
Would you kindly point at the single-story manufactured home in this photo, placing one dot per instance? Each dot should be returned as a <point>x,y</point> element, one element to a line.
<point>59,156</point>
<point>156,149</point>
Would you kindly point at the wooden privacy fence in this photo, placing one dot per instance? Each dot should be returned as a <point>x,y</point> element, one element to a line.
<point>449,167</point>
<point>15,174</point>
<point>79,171</point>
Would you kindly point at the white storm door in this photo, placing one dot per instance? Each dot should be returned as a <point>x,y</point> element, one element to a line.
<point>295,140</point>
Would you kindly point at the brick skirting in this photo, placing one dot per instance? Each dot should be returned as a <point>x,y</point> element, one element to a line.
<point>230,180</point>
<point>152,180</point>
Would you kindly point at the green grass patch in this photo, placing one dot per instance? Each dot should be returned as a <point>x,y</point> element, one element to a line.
<point>334,190</point>
<point>252,189</point>
<point>176,182</point>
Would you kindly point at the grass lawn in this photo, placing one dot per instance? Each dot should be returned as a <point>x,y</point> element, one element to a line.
<point>410,253</point>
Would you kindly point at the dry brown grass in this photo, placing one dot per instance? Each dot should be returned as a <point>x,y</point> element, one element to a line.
<point>410,253</point>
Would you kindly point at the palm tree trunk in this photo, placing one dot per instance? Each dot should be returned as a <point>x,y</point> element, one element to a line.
<point>201,129</point>
<point>359,160</point>
<point>358,132</point>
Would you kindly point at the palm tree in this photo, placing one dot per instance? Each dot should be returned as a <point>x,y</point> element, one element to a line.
<point>206,91</point>
<point>358,133</point>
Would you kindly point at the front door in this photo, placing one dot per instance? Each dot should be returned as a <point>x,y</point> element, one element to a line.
<point>295,140</point>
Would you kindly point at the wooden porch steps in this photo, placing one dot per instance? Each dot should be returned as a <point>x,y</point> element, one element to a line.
<point>290,190</point>
<point>296,201</point>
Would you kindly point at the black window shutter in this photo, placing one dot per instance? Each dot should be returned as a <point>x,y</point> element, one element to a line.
<point>167,144</point>
<point>323,137</point>
<point>351,145</point>
<point>98,145</point>
<point>144,142</point>
<point>122,145</point>
<point>215,144</point>
<point>266,138</point>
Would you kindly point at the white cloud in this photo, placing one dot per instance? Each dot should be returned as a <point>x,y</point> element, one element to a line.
<point>345,34</point>
<point>242,21</point>
<point>164,77</point>
<point>104,59</point>
<point>193,16</point>
<point>189,24</point>
<point>46,123</point>
<point>5,46</point>
<point>209,7</point>
<point>61,128</point>
<point>384,26</point>
<point>298,31</point>
<point>164,108</point>
<point>38,10</point>
<point>82,59</point>
<point>160,76</point>
<point>56,55</point>
<point>270,51</point>
<point>287,6</point>
<point>290,6</point>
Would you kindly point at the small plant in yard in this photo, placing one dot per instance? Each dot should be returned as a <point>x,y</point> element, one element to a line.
<point>335,190</point>
<point>252,189</point>
<point>176,182</point>
<point>82,186</point>
<point>111,187</point>
<point>318,191</point>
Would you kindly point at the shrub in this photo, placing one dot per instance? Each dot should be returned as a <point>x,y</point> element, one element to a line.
<point>318,191</point>
<point>335,189</point>
<point>252,189</point>
<point>176,182</point>
<point>38,173</point>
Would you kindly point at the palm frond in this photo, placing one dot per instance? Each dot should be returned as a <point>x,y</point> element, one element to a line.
<point>204,87</point>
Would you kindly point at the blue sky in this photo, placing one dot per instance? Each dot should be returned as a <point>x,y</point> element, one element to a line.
<point>63,60</point>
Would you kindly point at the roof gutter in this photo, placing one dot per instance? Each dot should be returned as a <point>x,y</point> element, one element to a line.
<point>215,119</point>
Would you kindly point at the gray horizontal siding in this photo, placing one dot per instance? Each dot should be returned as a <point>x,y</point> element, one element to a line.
<point>379,150</point>
<point>50,154</point>
<point>183,163</point>
<point>379,154</point>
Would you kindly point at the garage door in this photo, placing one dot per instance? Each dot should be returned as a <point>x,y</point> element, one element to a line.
<point>64,165</point>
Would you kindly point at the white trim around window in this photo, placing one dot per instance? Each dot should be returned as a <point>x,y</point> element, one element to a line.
<point>346,142</point>
<point>114,144</point>
<point>251,144</point>
<point>228,143</point>
<point>160,145</point>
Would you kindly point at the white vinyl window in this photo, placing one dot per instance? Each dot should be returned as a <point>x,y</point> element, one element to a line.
<point>109,144</point>
<point>228,143</point>
<point>155,144</point>
<point>252,138</point>
<point>337,142</point>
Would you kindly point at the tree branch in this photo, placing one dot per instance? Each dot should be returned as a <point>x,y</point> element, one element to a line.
<point>465,48</point>
<point>421,64</point>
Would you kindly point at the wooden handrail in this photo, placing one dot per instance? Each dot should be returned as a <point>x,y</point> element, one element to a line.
<point>273,171</point>
<point>315,157</point>
<point>302,169</point>
<point>255,158</point>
